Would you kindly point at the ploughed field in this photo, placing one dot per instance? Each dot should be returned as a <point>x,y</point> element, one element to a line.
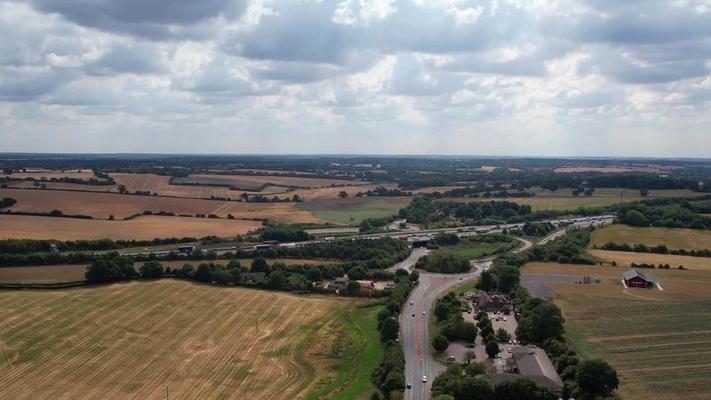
<point>141,228</point>
<point>657,340</point>
<point>142,339</point>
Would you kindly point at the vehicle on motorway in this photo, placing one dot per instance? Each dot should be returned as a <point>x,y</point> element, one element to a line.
<point>424,313</point>
<point>329,238</point>
<point>413,314</point>
<point>409,385</point>
<point>271,242</point>
<point>185,249</point>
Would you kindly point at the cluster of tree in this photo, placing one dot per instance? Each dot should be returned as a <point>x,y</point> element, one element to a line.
<point>54,213</point>
<point>537,229</point>
<point>424,210</point>
<point>487,334</point>
<point>110,268</point>
<point>260,198</point>
<point>384,192</point>
<point>389,376</point>
<point>285,234</point>
<point>7,202</point>
<point>541,322</point>
<point>658,249</point>
<point>501,277</point>
<point>652,266</point>
<point>445,239</point>
<point>26,246</point>
<point>668,214</point>
<point>464,383</point>
<point>374,223</point>
<point>450,325</point>
<point>66,179</point>
<point>444,262</point>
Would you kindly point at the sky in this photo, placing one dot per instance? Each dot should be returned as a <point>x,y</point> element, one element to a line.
<point>501,77</point>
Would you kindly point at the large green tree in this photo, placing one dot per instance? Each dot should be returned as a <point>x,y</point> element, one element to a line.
<point>596,379</point>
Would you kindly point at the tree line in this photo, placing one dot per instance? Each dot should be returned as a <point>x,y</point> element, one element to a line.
<point>658,249</point>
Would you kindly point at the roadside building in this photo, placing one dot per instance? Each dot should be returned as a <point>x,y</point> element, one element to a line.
<point>491,302</point>
<point>366,284</point>
<point>340,282</point>
<point>637,279</point>
<point>533,363</point>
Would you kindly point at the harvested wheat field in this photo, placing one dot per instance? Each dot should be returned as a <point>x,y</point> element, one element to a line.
<point>673,238</point>
<point>142,228</point>
<point>161,184</point>
<point>657,340</point>
<point>140,340</point>
<point>254,182</point>
<point>623,258</point>
<point>102,205</point>
<point>61,186</point>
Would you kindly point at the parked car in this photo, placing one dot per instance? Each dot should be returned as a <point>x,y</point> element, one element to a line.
<point>424,379</point>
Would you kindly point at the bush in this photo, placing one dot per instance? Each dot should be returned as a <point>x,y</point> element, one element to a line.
<point>440,343</point>
<point>151,270</point>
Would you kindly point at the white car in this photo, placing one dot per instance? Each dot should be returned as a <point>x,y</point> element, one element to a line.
<point>410,303</point>
<point>424,313</point>
<point>424,379</point>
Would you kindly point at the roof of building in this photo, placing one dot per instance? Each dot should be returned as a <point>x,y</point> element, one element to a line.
<point>533,361</point>
<point>633,273</point>
<point>343,278</point>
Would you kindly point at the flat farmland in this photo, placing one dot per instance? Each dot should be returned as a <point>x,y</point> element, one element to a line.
<point>49,174</point>
<point>564,199</point>
<point>62,186</point>
<point>623,258</point>
<point>142,339</point>
<point>657,340</point>
<point>673,238</point>
<point>142,228</point>
<point>161,184</point>
<point>102,205</point>
<point>352,210</point>
<point>254,182</point>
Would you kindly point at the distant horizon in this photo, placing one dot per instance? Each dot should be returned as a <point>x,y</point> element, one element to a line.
<point>374,155</point>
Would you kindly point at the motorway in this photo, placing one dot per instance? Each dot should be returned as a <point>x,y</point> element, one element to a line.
<point>220,249</point>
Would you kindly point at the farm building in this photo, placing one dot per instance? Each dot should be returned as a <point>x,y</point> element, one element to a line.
<point>636,279</point>
<point>533,363</point>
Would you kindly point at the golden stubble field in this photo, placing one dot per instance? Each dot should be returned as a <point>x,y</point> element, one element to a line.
<point>140,340</point>
<point>657,340</point>
<point>141,228</point>
<point>673,238</point>
<point>253,182</point>
<point>623,258</point>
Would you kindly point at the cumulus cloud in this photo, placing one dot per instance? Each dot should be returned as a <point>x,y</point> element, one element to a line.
<point>408,75</point>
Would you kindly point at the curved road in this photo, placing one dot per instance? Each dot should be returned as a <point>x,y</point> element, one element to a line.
<point>414,329</point>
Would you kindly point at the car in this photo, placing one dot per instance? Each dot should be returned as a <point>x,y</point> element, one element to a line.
<point>424,379</point>
<point>410,303</point>
<point>510,341</point>
<point>409,385</point>
<point>413,314</point>
<point>504,319</point>
<point>424,313</point>
<point>509,350</point>
<point>461,278</point>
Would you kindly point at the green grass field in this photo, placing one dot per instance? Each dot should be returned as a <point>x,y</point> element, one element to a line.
<point>351,211</point>
<point>360,352</point>
<point>475,250</point>
<point>672,238</point>
<point>564,200</point>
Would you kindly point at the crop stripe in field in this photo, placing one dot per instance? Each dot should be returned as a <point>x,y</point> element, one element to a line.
<point>163,374</point>
<point>43,326</point>
<point>217,363</point>
<point>67,359</point>
<point>157,335</point>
